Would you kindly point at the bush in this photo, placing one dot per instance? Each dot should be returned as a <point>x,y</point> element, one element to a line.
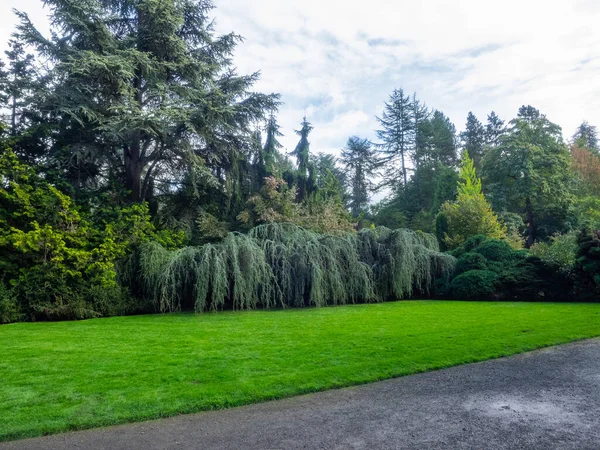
<point>497,250</point>
<point>470,261</point>
<point>62,262</point>
<point>475,285</point>
<point>559,252</point>
<point>518,275</point>
<point>588,265</point>
<point>9,307</point>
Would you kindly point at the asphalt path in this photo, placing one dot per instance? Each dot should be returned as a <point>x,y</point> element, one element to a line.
<point>547,399</point>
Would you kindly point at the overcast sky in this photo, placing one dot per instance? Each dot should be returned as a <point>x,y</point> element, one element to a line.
<point>337,60</point>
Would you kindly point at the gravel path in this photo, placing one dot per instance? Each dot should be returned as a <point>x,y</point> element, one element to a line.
<point>545,399</point>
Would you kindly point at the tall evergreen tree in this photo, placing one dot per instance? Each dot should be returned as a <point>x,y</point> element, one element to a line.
<point>494,130</point>
<point>360,160</point>
<point>145,88</point>
<point>586,136</point>
<point>270,154</point>
<point>443,139</point>
<point>397,135</point>
<point>421,116</point>
<point>473,139</point>
<point>17,84</point>
<point>330,177</point>
<point>302,154</point>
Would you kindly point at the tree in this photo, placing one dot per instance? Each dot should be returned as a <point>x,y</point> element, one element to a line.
<point>302,154</point>
<point>270,154</point>
<point>587,136</point>
<point>16,84</point>
<point>494,130</point>
<point>473,139</point>
<point>332,181</point>
<point>443,139</point>
<point>397,134</point>
<point>471,214</point>
<point>143,89</point>
<point>360,161</point>
<point>528,173</point>
<point>421,116</point>
<point>586,167</point>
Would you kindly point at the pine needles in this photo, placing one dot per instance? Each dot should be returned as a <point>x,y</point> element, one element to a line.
<point>282,265</point>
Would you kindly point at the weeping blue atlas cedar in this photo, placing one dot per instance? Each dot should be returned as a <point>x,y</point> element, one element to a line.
<point>282,265</point>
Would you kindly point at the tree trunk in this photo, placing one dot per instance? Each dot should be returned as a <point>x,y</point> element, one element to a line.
<point>133,171</point>
<point>404,170</point>
<point>530,224</point>
<point>13,118</point>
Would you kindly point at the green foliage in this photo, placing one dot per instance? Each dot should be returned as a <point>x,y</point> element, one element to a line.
<point>588,265</point>
<point>470,214</point>
<point>473,139</point>
<point>470,261</point>
<point>284,265</point>
<point>59,263</point>
<point>9,306</point>
<point>497,250</point>
<point>528,174</point>
<point>518,275</point>
<point>360,161</point>
<point>397,134</point>
<point>475,285</point>
<point>559,252</point>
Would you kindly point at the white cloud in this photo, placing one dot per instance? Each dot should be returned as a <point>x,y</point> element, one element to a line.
<point>337,60</point>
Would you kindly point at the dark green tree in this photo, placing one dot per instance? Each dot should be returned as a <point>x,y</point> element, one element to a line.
<point>586,136</point>
<point>397,135</point>
<point>421,117</point>
<point>302,154</point>
<point>360,160</point>
<point>494,130</point>
<point>16,85</point>
<point>528,174</point>
<point>443,140</point>
<point>473,139</point>
<point>143,89</point>
<point>270,154</point>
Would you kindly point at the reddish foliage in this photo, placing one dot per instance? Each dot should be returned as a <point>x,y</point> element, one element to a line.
<point>586,165</point>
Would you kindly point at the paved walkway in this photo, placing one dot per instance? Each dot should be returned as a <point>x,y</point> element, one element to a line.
<point>545,399</point>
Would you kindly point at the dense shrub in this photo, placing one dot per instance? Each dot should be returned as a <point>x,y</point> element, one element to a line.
<point>9,307</point>
<point>470,261</point>
<point>559,252</point>
<point>59,262</point>
<point>475,285</point>
<point>497,250</point>
<point>588,266</point>
<point>517,274</point>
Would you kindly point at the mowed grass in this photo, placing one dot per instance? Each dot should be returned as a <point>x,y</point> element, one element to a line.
<point>72,375</point>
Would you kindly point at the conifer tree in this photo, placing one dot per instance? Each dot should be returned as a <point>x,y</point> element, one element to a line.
<point>397,136</point>
<point>494,130</point>
<point>272,146</point>
<point>145,88</point>
<point>302,154</point>
<point>16,85</point>
<point>473,139</point>
<point>586,136</point>
<point>471,214</point>
<point>360,160</point>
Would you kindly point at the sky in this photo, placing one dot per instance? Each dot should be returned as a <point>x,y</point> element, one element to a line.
<point>337,61</point>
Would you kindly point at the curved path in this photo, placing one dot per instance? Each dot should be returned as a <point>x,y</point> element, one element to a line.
<point>545,399</point>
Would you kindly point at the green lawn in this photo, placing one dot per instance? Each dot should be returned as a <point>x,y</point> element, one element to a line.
<point>73,375</point>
